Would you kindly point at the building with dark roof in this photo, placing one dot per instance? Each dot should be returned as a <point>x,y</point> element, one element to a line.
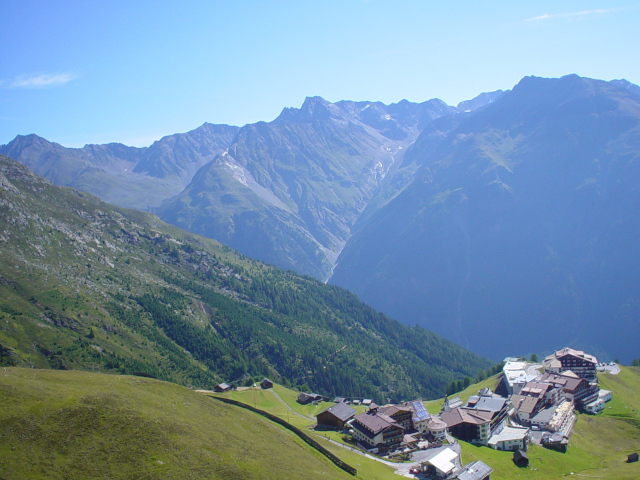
<point>336,416</point>
<point>305,398</point>
<point>526,407</point>
<point>266,383</point>
<point>376,430</point>
<point>574,388</point>
<point>520,458</point>
<point>580,363</point>
<point>469,424</point>
<point>401,414</point>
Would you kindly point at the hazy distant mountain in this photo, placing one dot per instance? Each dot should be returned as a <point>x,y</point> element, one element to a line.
<point>480,101</point>
<point>288,192</point>
<point>125,176</point>
<point>85,285</point>
<point>179,156</point>
<point>520,229</point>
<point>635,89</point>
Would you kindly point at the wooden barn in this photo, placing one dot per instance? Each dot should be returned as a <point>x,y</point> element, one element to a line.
<point>335,416</point>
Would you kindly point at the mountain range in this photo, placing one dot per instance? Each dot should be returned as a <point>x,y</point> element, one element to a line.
<point>521,225</point>
<point>287,192</point>
<point>514,212</point>
<point>85,285</point>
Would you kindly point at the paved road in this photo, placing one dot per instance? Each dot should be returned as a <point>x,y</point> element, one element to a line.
<point>401,469</point>
<point>360,452</point>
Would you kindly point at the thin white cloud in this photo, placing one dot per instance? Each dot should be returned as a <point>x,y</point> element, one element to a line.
<point>572,15</point>
<point>43,80</point>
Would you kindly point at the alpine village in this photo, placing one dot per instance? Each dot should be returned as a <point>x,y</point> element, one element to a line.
<point>536,404</point>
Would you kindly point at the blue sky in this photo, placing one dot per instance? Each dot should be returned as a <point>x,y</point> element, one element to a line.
<point>134,71</point>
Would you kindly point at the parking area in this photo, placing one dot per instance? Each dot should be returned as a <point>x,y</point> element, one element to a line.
<point>611,368</point>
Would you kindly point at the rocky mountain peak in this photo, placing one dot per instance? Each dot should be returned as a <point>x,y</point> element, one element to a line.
<point>313,109</point>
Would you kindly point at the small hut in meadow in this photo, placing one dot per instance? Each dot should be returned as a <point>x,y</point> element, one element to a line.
<point>520,458</point>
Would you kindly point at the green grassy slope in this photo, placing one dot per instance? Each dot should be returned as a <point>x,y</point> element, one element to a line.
<point>84,285</point>
<point>77,425</point>
<point>265,400</point>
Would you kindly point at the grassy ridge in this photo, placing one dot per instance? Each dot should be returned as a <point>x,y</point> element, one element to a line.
<point>56,425</point>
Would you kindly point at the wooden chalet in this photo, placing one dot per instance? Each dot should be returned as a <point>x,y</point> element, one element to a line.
<point>468,424</point>
<point>336,416</point>
<point>376,431</point>
<point>266,383</point>
<point>222,387</point>
<point>306,398</point>
<point>401,414</point>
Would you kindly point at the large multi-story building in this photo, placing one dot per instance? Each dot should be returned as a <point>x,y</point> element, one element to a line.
<point>483,415</point>
<point>580,363</point>
<point>375,430</point>
<point>579,390</point>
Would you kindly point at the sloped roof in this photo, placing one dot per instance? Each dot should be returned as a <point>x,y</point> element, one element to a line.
<point>569,351</point>
<point>569,382</point>
<point>545,415</point>
<point>518,454</point>
<point>451,403</point>
<point>492,404</point>
<point>436,424</point>
<point>524,404</point>
<point>409,439</point>
<point>374,423</point>
<point>508,433</point>
<point>485,392</point>
<point>474,471</point>
<point>535,389</point>
<point>340,410</point>
<point>443,461</point>
<point>419,412</point>
<point>459,415</point>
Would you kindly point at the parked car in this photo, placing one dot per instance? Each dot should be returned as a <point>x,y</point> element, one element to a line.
<point>414,470</point>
